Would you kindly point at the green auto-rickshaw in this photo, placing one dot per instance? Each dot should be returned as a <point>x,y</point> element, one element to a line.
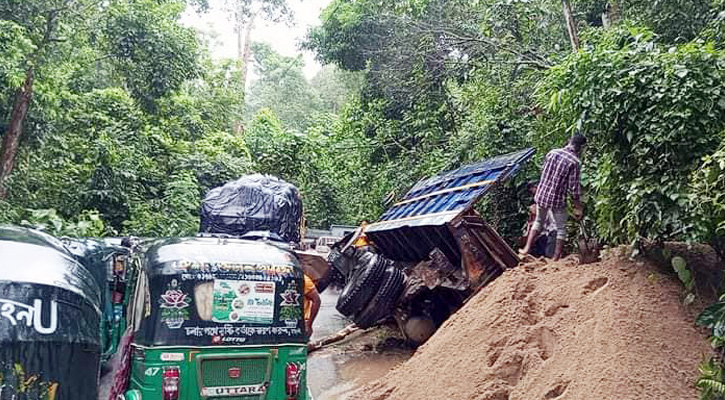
<point>217,318</point>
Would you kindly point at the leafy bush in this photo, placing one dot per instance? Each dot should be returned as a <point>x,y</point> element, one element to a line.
<point>651,113</point>
<point>176,213</point>
<point>86,224</point>
<point>707,201</point>
<point>8,213</point>
<point>710,382</point>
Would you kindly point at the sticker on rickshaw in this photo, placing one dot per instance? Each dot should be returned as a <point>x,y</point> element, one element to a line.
<point>243,302</point>
<point>174,306</point>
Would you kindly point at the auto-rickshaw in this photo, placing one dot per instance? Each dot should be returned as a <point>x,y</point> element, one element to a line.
<point>109,263</point>
<point>217,318</point>
<point>49,320</point>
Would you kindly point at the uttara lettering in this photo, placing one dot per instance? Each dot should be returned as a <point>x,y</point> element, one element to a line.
<point>233,390</point>
<point>261,269</point>
<point>15,312</point>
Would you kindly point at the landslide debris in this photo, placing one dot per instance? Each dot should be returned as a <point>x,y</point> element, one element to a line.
<point>616,329</point>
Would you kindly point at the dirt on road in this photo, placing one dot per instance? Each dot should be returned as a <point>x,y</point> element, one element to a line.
<point>616,329</point>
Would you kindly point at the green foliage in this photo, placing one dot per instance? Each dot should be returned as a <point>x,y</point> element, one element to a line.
<point>713,317</point>
<point>135,125</point>
<point>132,119</point>
<point>715,29</point>
<point>155,54</point>
<point>680,266</point>
<point>282,88</point>
<point>631,95</point>
<point>8,213</point>
<point>336,87</point>
<point>86,224</point>
<point>446,83</point>
<point>15,48</point>
<point>275,150</point>
<point>707,200</point>
<point>175,213</point>
<point>214,102</point>
<point>710,382</point>
<point>674,21</point>
<point>302,159</point>
<point>216,159</point>
<point>110,159</point>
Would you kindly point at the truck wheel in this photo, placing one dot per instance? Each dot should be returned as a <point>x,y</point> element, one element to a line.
<point>383,303</point>
<point>362,286</point>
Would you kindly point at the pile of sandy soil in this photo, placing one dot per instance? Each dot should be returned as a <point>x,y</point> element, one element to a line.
<point>611,330</point>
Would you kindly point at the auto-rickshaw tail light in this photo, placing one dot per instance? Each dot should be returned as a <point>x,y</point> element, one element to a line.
<point>170,385</point>
<point>293,377</point>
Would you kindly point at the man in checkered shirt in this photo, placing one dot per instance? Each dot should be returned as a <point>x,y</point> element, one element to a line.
<point>561,173</point>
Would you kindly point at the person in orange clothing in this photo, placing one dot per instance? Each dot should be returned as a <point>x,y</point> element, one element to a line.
<point>362,240</point>
<point>311,303</point>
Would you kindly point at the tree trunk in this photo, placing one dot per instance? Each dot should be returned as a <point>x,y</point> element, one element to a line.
<point>12,136</point>
<point>244,54</point>
<point>609,16</point>
<point>240,57</point>
<point>570,25</point>
<point>247,55</point>
<point>613,12</point>
<point>240,40</point>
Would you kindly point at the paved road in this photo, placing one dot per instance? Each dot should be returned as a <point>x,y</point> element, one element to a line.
<point>332,374</point>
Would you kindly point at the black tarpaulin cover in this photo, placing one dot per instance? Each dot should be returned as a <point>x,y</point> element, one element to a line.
<point>253,203</point>
<point>49,320</point>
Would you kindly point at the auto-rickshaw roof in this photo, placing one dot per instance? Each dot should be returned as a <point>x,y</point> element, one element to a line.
<point>161,254</point>
<point>30,256</point>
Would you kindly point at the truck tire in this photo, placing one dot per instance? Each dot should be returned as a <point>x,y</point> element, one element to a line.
<point>383,303</point>
<point>362,285</point>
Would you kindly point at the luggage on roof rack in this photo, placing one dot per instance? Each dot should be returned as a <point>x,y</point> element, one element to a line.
<point>253,203</point>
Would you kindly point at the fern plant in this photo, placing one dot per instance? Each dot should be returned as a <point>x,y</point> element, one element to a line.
<point>710,382</point>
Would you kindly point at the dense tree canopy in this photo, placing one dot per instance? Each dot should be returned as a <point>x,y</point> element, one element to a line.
<point>131,121</point>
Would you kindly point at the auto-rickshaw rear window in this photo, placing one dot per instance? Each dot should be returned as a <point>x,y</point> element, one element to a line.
<point>224,303</point>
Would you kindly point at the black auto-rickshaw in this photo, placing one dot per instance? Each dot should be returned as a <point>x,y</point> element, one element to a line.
<point>50,310</point>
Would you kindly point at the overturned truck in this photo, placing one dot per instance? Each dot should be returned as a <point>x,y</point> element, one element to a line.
<point>428,253</point>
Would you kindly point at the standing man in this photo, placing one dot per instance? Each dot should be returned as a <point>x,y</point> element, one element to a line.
<point>561,174</point>
<point>544,244</point>
<point>311,303</point>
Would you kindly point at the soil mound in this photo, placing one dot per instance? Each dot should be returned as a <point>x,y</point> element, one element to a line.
<point>611,330</point>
